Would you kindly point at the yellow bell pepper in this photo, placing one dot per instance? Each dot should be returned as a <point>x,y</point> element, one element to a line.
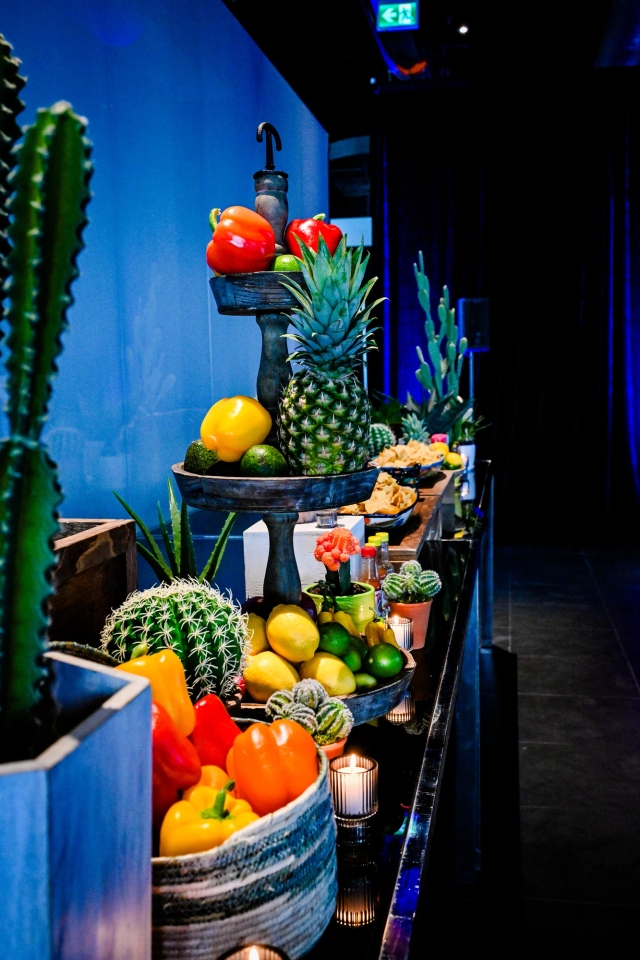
<point>345,619</point>
<point>234,424</point>
<point>204,819</point>
<point>165,673</point>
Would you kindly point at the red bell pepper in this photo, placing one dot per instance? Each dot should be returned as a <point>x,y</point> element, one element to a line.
<point>175,763</point>
<point>242,242</point>
<point>214,732</point>
<point>310,231</point>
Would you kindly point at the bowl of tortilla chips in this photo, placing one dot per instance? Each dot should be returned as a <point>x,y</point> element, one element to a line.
<point>390,505</point>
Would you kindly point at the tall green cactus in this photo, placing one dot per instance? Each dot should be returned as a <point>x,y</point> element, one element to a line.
<point>440,373</point>
<point>11,83</point>
<point>50,193</point>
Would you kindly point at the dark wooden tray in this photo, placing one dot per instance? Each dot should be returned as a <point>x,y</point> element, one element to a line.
<point>242,294</point>
<point>274,494</point>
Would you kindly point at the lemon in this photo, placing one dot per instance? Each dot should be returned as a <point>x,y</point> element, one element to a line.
<point>453,461</point>
<point>440,447</point>
<point>258,634</point>
<point>292,633</point>
<point>334,675</point>
<point>266,673</point>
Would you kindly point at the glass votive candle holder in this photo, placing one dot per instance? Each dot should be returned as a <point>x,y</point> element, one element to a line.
<point>254,952</point>
<point>327,518</point>
<point>403,712</point>
<point>354,787</point>
<point>358,895</point>
<point>403,630</point>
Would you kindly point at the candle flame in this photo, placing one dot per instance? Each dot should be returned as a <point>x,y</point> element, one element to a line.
<point>352,763</point>
<point>253,954</point>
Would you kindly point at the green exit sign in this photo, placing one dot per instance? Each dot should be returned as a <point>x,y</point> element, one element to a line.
<point>397,16</point>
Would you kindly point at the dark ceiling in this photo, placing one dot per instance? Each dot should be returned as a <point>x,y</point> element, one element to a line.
<point>329,52</point>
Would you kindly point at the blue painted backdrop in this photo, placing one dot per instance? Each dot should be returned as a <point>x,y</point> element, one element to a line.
<point>173,93</point>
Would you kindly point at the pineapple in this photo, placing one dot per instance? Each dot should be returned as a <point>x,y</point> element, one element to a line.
<point>325,413</point>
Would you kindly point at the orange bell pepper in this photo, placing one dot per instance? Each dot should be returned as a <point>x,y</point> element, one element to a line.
<point>272,765</point>
<point>165,673</point>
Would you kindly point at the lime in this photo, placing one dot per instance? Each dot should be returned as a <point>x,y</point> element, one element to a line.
<point>360,646</point>
<point>364,682</point>
<point>352,658</point>
<point>334,638</point>
<point>264,461</point>
<point>286,261</point>
<point>384,661</point>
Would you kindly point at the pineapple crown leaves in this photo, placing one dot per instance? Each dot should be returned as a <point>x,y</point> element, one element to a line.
<point>333,321</point>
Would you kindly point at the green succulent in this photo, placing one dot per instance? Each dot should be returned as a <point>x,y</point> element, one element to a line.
<point>179,545</point>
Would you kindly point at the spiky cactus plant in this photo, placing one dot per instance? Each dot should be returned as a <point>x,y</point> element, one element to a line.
<point>205,628</point>
<point>380,436</point>
<point>50,191</point>
<point>440,372</point>
<point>326,718</point>
<point>411,584</point>
<point>414,428</point>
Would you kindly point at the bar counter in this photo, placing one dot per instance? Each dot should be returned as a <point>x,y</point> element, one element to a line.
<point>380,880</point>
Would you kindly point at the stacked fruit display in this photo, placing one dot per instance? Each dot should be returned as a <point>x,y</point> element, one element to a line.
<point>324,412</point>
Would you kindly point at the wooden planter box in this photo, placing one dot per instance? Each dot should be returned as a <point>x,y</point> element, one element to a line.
<point>75,825</point>
<point>96,572</point>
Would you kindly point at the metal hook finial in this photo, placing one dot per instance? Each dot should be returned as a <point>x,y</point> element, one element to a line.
<point>272,134</point>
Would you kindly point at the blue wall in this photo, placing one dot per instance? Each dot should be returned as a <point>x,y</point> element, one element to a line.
<point>174,92</point>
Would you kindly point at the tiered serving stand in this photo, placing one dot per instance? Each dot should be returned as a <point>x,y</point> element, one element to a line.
<point>279,499</point>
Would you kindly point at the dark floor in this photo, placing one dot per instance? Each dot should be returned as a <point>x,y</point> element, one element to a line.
<point>573,619</point>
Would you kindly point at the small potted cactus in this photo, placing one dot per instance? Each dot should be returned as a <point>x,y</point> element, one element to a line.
<point>326,718</point>
<point>338,591</point>
<point>410,593</point>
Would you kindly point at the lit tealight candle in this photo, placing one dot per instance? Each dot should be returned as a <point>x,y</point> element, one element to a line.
<point>255,953</point>
<point>403,630</point>
<point>354,785</point>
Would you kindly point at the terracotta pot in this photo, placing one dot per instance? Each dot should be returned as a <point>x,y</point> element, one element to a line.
<point>419,613</point>
<point>361,607</point>
<point>333,750</point>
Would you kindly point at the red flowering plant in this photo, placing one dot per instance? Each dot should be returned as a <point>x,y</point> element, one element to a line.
<point>334,549</point>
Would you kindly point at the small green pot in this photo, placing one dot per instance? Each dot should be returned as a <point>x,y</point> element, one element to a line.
<point>361,607</point>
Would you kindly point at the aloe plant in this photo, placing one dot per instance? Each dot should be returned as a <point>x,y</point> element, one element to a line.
<point>181,561</point>
<point>50,192</point>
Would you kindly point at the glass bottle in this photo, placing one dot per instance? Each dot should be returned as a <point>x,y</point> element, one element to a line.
<point>369,573</point>
<point>384,564</point>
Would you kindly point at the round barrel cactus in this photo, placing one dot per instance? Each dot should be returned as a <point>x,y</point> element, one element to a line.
<point>335,721</point>
<point>411,584</point>
<point>380,436</point>
<point>325,718</point>
<point>204,627</point>
<point>309,692</point>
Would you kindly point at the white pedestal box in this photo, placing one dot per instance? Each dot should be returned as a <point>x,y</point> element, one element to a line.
<point>256,552</point>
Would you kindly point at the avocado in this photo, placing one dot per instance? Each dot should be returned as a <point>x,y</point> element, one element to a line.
<point>198,459</point>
